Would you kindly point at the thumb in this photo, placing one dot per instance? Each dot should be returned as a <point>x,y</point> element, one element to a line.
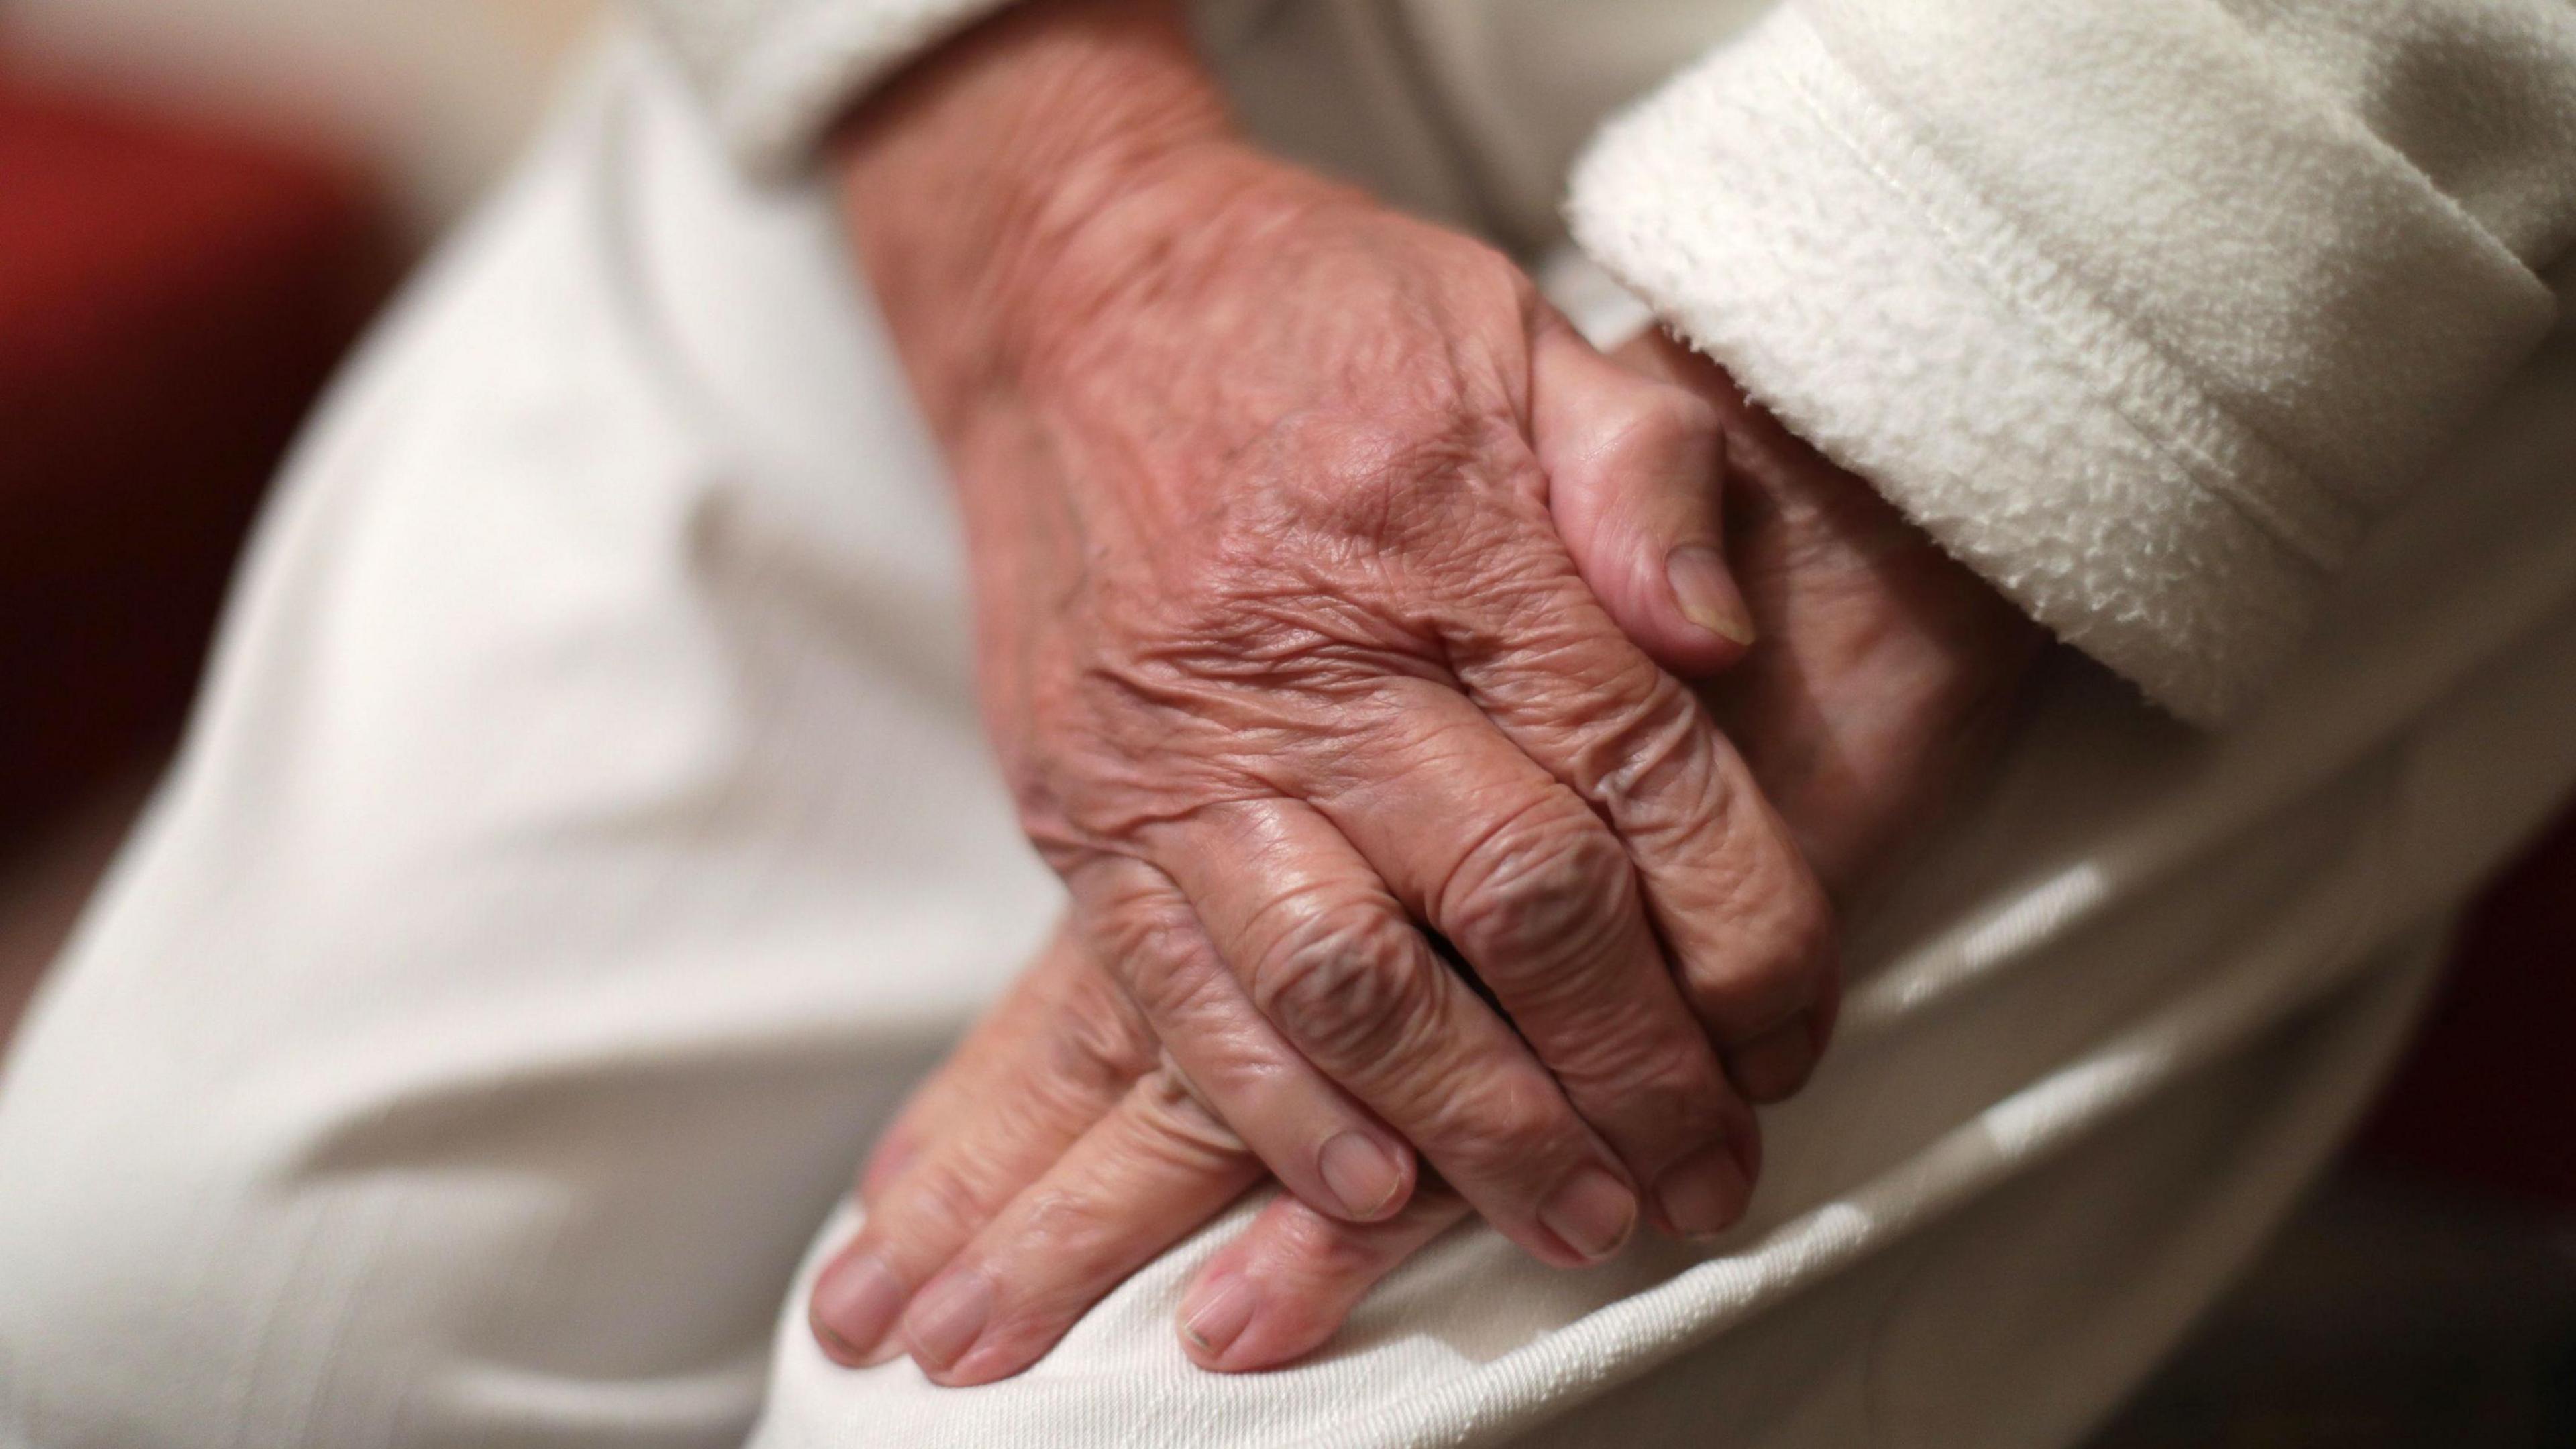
<point>1636,470</point>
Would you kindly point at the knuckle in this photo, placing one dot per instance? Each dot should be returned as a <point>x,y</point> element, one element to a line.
<point>1657,420</point>
<point>1346,984</point>
<point>948,1190</point>
<point>1536,894</point>
<point>1809,930</point>
<point>1503,284</point>
<point>1798,926</point>
<point>1059,1215</point>
<point>1320,1250</point>
<point>1088,1059</point>
<point>1651,767</point>
<point>1175,1116</point>
<point>1126,917</point>
<point>1098,1040</point>
<point>1380,478</point>
<point>1508,1125</point>
<point>1655,1099</point>
<point>1157,963</point>
<point>1784,955</point>
<point>1680,1090</point>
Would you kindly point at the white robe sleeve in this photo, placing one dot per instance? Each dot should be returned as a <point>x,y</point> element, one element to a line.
<point>775,73</point>
<point>2145,310</point>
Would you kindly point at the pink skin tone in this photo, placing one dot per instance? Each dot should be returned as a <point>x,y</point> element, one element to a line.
<point>1055,1154</point>
<point>1328,583</point>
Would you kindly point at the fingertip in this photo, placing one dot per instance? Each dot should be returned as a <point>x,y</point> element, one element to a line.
<point>1679,603</point>
<point>1636,478</point>
<point>982,1367</point>
<point>836,1348</point>
<point>853,1307</point>
<point>1678,645</point>
<point>1275,1294</point>
<point>1774,1066</point>
<point>1285,1287</point>
<point>1704,1194</point>
<point>1369,1180</point>
<point>1710,607</point>
<point>1592,1213</point>
<point>1828,1009</point>
<point>1215,1313</point>
<point>1013,1338</point>
<point>944,1323</point>
<point>1232,1322</point>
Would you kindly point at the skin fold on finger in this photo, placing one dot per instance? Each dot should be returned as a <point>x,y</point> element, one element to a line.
<point>1143,1178</point>
<point>1542,901</point>
<point>1060,987</point>
<point>1746,924</point>
<point>1339,966</point>
<point>1287,1282</point>
<point>1059,1053</point>
<point>1322,1144</point>
<point>1635,468</point>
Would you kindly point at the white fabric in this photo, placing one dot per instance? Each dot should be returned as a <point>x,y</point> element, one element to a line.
<point>586,835</point>
<point>775,73</point>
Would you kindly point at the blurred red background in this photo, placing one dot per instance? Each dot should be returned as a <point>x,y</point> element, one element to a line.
<point>171,299</point>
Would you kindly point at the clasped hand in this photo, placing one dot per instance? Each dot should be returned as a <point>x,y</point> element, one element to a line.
<point>1331,599</point>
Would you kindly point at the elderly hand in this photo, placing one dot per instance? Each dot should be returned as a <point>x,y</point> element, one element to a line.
<point>1286,660</point>
<point>1053,1150</point>
<point>1886,676</point>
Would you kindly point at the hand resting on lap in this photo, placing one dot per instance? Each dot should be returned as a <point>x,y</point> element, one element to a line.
<point>1056,1152</point>
<point>1285,658</point>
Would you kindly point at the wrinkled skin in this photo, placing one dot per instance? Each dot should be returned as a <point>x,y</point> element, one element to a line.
<point>1285,656</point>
<point>1057,1151</point>
<point>1293,657</point>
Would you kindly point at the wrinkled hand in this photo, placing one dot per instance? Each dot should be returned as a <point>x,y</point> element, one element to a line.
<point>1286,660</point>
<point>1057,1146</point>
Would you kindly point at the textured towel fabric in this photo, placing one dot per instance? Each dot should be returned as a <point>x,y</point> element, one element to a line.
<point>2146,312</point>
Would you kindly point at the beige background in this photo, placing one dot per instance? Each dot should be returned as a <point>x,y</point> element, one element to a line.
<point>438,93</point>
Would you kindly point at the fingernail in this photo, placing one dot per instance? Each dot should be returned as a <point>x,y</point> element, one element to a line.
<point>1217,1312</point>
<point>1592,1212</point>
<point>1703,1194</point>
<point>946,1318</point>
<point>1362,1175</point>
<point>856,1300</point>
<point>1774,1065</point>
<point>1705,589</point>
